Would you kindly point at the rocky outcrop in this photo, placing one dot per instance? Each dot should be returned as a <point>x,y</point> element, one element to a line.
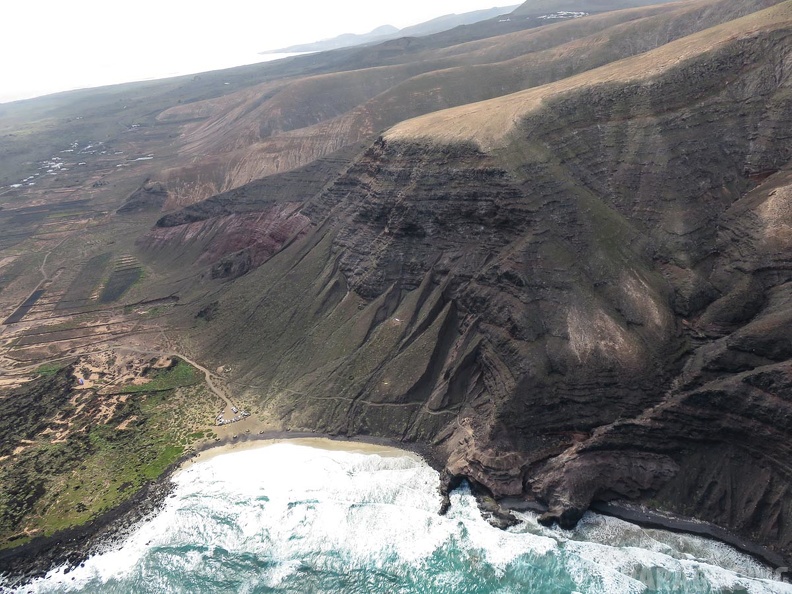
<point>233,244</point>
<point>150,196</point>
<point>726,423</point>
<point>238,230</point>
<point>588,301</point>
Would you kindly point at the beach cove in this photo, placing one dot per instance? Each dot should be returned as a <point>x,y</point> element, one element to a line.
<point>312,514</point>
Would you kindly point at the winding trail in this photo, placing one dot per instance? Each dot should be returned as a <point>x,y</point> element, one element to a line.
<point>208,375</point>
<point>32,366</point>
<point>44,263</point>
<point>42,268</point>
<point>210,378</point>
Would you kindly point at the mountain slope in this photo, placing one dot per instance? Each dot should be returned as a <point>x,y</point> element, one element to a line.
<point>543,7</point>
<point>569,291</point>
<point>567,274</point>
<point>283,125</point>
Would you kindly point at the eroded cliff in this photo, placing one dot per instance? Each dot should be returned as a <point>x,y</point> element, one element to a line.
<point>575,293</point>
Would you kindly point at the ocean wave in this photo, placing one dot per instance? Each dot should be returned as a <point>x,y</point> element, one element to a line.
<point>291,518</point>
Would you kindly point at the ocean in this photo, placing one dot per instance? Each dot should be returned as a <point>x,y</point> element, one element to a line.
<point>312,516</point>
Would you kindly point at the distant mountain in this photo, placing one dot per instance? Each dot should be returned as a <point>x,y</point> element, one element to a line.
<point>386,32</point>
<point>449,21</point>
<point>346,40</point>
<point>533,7</point>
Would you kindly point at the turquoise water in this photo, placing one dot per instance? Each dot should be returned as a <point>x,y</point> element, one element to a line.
<point>292,518</point>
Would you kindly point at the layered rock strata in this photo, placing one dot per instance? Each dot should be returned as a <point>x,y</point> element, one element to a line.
<point>579,292</point>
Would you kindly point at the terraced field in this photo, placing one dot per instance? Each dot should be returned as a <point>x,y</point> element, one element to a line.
<point>26,306</point>
<point>81,291</point>
<point>126,273</point>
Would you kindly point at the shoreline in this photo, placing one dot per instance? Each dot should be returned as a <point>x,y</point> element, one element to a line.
<point>647,518</point>
<point>637,514</point>
<point>365,445</point>
<point>34,559</point>
<point>37,557</point>
<point>72,546</point>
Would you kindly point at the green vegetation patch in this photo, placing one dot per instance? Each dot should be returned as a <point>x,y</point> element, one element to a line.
<point>70,455</point>
<point>179,375</point>
<point>49,369</point>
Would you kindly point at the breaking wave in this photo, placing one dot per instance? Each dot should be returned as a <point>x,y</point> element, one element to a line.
<point>289,517</point>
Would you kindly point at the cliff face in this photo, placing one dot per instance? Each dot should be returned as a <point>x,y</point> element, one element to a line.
<point>590,301</point>
<point>559,254</point>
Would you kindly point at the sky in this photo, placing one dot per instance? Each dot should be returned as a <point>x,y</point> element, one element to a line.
<point>54,45</point>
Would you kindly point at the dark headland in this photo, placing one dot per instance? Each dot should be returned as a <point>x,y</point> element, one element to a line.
<point>552,249</point>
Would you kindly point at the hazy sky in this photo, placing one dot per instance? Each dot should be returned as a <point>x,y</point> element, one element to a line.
<point>49,45</point>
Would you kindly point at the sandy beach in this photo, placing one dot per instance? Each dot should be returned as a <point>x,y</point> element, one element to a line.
<point>322,443</point>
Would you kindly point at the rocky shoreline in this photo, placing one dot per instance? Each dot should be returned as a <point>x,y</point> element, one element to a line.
<point>500,516</point>
<point>648,518</point>
<point>34,559</point>
<point>71,547</point>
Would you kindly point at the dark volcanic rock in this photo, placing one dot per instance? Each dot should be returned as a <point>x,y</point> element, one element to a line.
<point>209,312</point>
<point>233,266</point>
<point>149,196</point>
<point>576,293</point>
<point>598,308</point>
<point>232,244</point>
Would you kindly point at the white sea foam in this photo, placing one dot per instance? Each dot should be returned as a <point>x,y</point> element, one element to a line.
<point>268,516</point>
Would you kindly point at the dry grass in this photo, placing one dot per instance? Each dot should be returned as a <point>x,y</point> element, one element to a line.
<point>488,123</point>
